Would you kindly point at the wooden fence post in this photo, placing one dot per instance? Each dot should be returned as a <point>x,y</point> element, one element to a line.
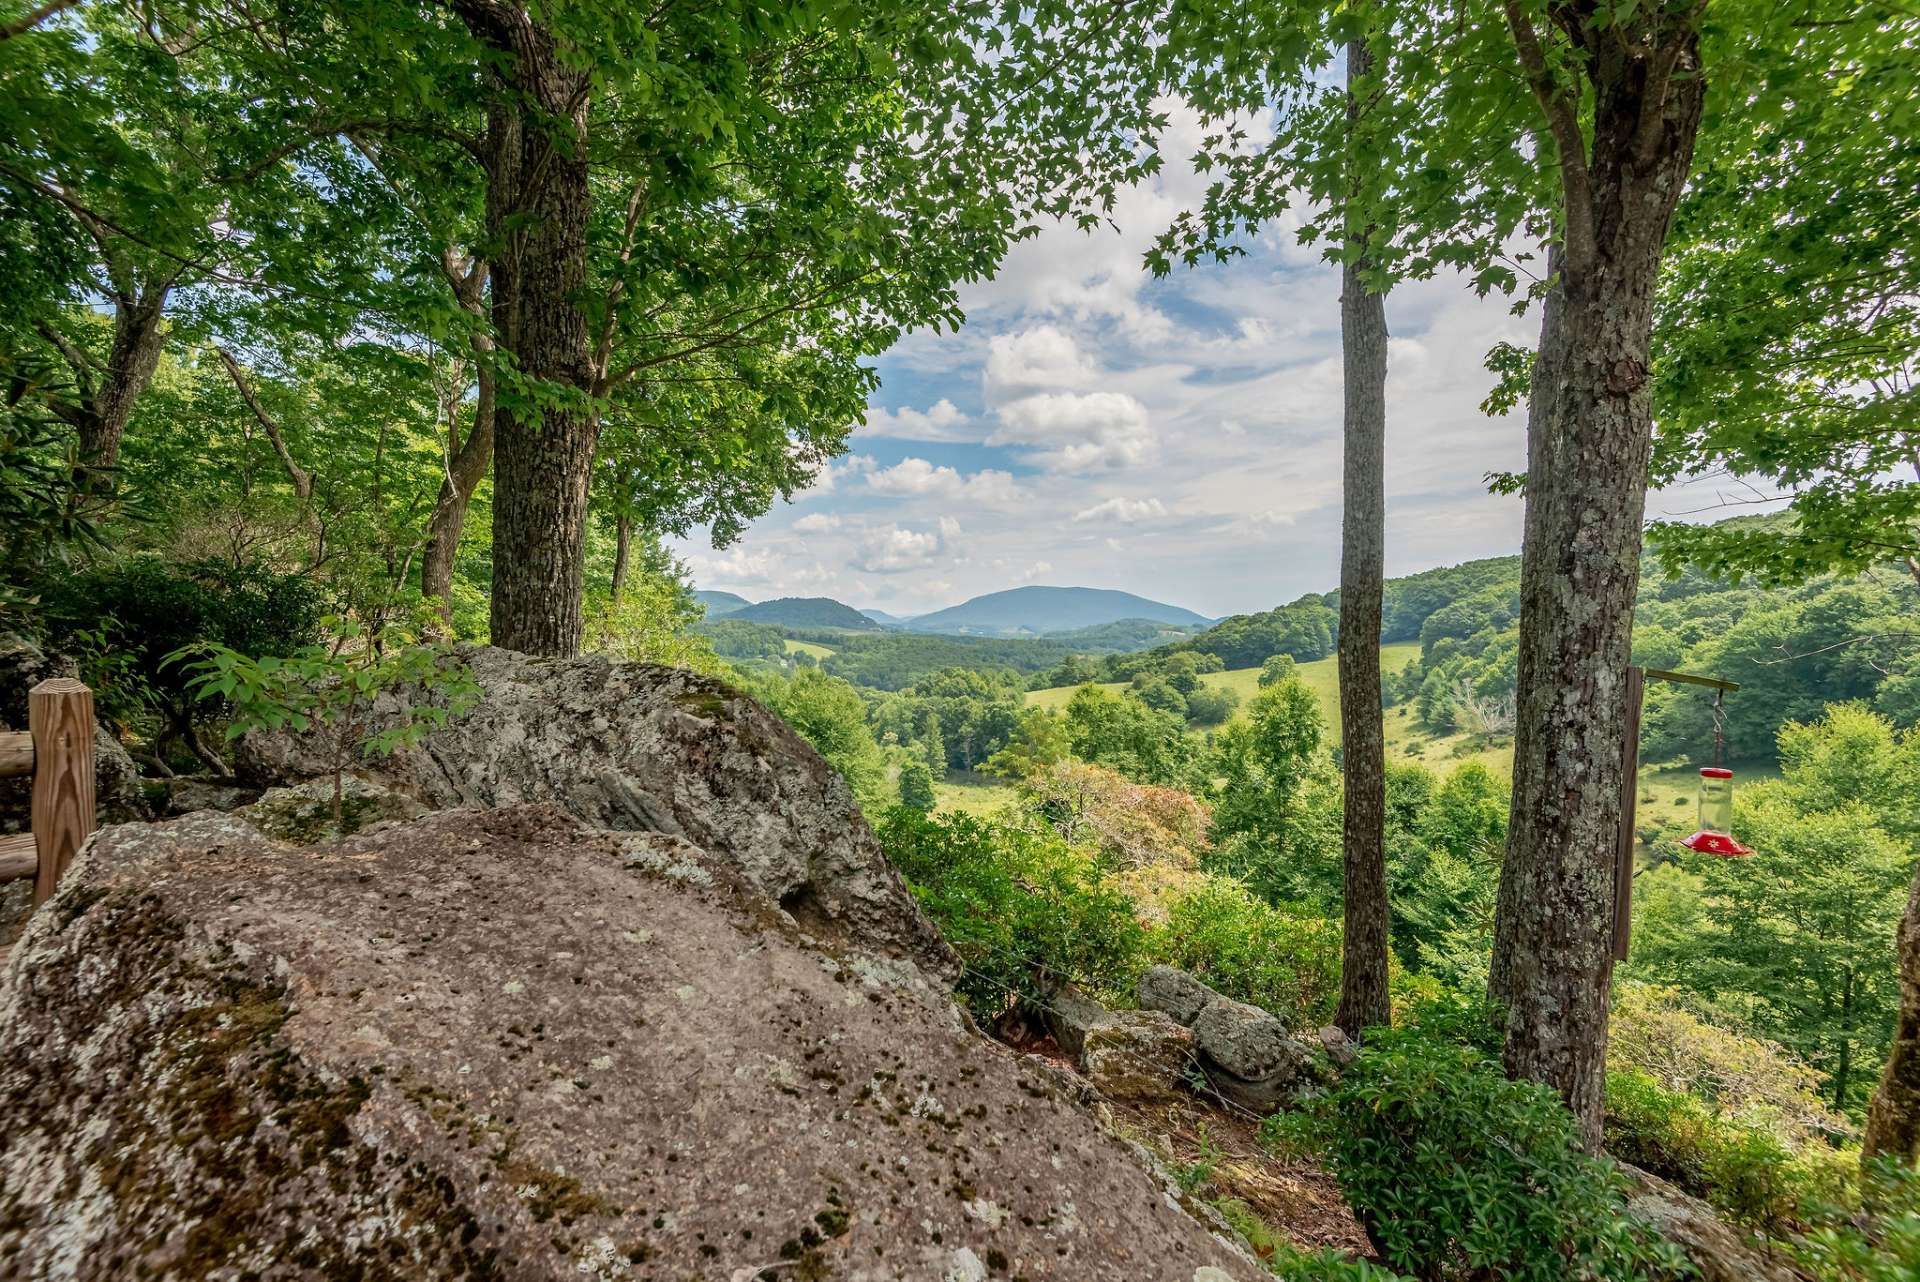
<point>60,716</point>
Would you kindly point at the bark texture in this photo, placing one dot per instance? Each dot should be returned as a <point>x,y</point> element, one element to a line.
<point>1363,350</point>
<point>538,203</point>
<point>1893,1116</point>
<point>1589,436</point>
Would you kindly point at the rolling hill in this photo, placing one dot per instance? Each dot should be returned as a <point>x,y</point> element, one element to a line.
<point>1037,611</point>
<point>805,612</point>
<point>886,620</point>
<point>721,604</point>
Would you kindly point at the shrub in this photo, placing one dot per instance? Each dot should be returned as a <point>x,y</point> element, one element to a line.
<point>1023,910</point>
<point>1745,1170</point>
<point>1210,707</point>
<point>1460,1173</point>
<point>1880,1244</point>
<point>1252,951</point>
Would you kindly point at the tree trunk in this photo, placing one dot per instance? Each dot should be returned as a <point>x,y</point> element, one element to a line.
<point>1589,437</point>
<point>1363,349</point>
<point>538,201</point>
<point>131,361</point>
<point>467,466</point>
<point>622,550</point>
<point>1893,1115</point>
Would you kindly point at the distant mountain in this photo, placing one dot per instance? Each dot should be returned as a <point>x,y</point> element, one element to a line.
<point>1124,636</point>
<point>1037,611</point>
<point>805,612</point>
<point>721,603</point>
<point>886,620</point>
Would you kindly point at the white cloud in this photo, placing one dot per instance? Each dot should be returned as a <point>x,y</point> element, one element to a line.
<point>894,549</point>
<point>916,477</point>
<point>1123,510</point>
<point>1043,359</point>
<point>1078,432</point>
<point>817,523</point>
<point>942,421</point>
<point>1035,571</point>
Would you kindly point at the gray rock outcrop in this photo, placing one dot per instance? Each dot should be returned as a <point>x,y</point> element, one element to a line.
<point>1137,1055</point>
<point>1170,989</point>
<point>641,748</point>
<point>1248,1055</point>
<point>1718,1251</point>
<point>504,1044</point>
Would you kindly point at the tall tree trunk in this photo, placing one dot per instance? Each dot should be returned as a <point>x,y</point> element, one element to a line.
<point>1589,437</point>
<point>538,201</point>
<point>1363,350</point>
<point>1893,1115</point>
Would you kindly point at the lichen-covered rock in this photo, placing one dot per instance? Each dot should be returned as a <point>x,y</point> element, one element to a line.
<point>1249,1056</point>
<point>1137,1055</point>
<point>303,813</point>
<point>1069,1015</point>
<point>501,1044</point>
<point>1170,989</point>
<point>188,793</point>
<point>638,747</point>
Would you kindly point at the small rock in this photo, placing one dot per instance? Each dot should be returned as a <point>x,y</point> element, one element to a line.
<point>1070,1014</point>
<point>1169,989</point>
<point>189,793</point>
<point>1138,1055</point>
<point>1339,1047</point>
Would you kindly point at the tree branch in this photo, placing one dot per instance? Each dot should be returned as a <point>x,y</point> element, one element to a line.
<point>301,478</point>
<point>1563,119</point>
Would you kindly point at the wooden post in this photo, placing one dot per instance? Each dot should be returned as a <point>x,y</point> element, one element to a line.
<point>1629,797</point>
<point>60,716</point>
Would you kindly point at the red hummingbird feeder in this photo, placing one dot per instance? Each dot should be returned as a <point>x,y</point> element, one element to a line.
<point>1716,816</point>
<point>1715,835</point>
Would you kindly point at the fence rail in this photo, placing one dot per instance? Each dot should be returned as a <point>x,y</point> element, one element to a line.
<point>57,750</point>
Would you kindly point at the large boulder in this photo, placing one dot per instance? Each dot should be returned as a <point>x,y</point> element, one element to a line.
<point>641,748</point>
<point>1137,1055</point>
<point>1250,1057</point>
<point>505,1044</point>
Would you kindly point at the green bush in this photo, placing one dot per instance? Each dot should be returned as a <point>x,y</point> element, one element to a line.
<point>1881,1243</point>
<point>1022,908</point>
<point>916,787</point>
<point>1459,1173</point>
<point>1745,1171</point>
<point>1253,952</point>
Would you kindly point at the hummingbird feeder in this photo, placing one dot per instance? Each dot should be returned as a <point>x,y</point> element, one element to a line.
<point>1715,835</point>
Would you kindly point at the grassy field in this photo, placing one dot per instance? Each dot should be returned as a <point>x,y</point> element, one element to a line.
<point>808,647</point>
<point>970,796</point>
<point>1322,676</point>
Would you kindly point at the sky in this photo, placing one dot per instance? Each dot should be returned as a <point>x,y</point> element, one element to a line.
<point>1179,438</point>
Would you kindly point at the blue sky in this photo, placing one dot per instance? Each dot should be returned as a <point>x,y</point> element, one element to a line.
<point>1178,438</point>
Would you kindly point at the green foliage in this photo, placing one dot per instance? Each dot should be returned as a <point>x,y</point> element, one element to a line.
<point>1460,1173</point>
<point>916,787</point>
<point>828,713</point>
<point>1277,668</point>
<point>1023,910</point>
<point>1123,733</point>
<point>1798,939</point>
<point>1283,962</point>
<point>128,619</point>
<point>1276,799</point>
<point>1208,706</point>
<point>1744,1170</point>
<point>1880,1244</point>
